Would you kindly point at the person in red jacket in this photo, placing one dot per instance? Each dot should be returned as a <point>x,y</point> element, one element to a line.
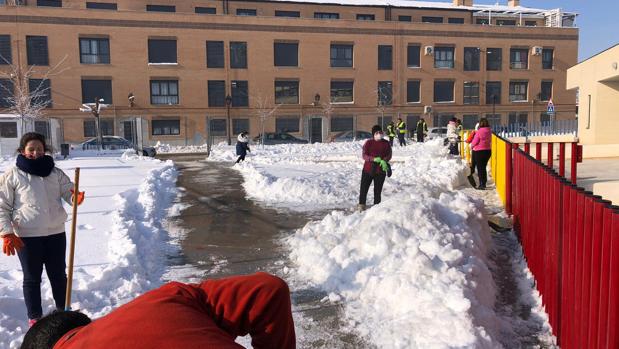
<point>376,154</point>
<point>177,315</point>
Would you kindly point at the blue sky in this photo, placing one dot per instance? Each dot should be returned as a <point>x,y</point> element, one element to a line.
<point>598,21</point>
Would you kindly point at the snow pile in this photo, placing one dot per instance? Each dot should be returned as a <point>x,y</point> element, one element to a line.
<point>167,148</point>
<point>322,176</point>
<point>411,271</point>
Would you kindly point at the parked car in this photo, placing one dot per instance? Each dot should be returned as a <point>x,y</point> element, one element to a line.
<point>115,142</point>
<point>434,132</point>
<point>271,138</point>
<point>347,136</point>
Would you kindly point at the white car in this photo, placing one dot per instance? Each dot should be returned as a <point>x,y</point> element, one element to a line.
<point>434,132</point>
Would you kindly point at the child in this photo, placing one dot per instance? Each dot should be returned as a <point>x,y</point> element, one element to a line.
<point>32,220</point>
<point>242,146</point>
<point>376,154</point>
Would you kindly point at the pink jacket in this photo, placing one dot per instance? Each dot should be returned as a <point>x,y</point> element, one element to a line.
<point>482,139</point>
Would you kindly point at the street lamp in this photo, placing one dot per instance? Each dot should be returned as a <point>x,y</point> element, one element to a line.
<point>228,101</point>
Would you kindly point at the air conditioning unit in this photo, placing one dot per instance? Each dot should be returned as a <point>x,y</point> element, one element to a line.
<point>427,109</point>
<point>536,50</point>
<point>429,50</point>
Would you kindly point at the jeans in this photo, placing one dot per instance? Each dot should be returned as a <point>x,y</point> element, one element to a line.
<point>366,180</point>
<point>401,139</point>
<point>481,158</point>
<point>48,251</point>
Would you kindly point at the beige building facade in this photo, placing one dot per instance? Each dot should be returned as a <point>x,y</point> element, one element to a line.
<point>315,69</point>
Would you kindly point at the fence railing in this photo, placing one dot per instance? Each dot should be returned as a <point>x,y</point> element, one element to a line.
<point>570,239</point>
<point>549,128</point>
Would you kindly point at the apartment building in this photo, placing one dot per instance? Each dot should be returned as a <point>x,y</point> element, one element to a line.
<point>181,72</point>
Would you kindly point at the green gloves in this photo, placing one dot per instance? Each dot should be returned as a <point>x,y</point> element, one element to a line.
<point>383,164</point>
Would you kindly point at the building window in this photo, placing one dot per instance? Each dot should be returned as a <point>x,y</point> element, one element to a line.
<point>518,91</point>
<point>94,51</point>
<point>341,55</point>
<point>101,6</point>
<point>240,95</point>
<point>326,15</point>
<point>96,89</point>
<point>471,92</point>
<point>342,91</point>
<point>246,12</point>
<point>519,58</point>
<point>546,91</point>
<point>5,50</point>
<point>286,92</point>
<point>505,22</point>
<point>411,123</point>
<point>494,119</point>
<point>530,23</point>
<point>544,119</point>
<point>218,127</point>
<point>385,57</point>
<point>494,58</point>
<point>341,123</point>
<point>441,120</point>
<point>90,127</point>
<point>412,56</point>
<point>49,3</point>
<point>160,8</point>
<point>287,124</point>
<point>286,54</point>
<point>405,18</point>
<point>36,50</point>
<point>520,119</point>
<point>385,93</point>
<point>214,54</point>
<point>238,55</point>
<point>161,51</point>
<point>412,91</point>
<point>365,17</point>
<point>455,20</point>
<point>547,58</point>
<point>6,93</point>
<point>482,21</point>
<point>8,129</point>
<point>471,59</point>
<point>216,93</point>
<point>469,121</point>
<point>42,127</point>
<point>206,10</point>
<point>240,125</point>
<point>292,14</point>
<point>443,91</point>
<point>41,92</point>
<point>443,57</point>
<point>164,92</point>
<point>493,92</point>
<point>166,127</point>
<point>428,19</point>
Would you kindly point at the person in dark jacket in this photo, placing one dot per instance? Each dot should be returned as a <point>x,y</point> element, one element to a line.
<point>210,314</point>
<point>422,130</point>
<point>376,155</point>
<point>242,146</point>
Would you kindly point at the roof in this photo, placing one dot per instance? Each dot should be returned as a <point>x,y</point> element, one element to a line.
<point>430,5</point>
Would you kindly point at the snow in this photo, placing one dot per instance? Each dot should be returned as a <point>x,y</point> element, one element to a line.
<point>121,242</point>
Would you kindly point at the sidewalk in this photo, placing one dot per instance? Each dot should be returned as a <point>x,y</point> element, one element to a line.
<point>601,176</point>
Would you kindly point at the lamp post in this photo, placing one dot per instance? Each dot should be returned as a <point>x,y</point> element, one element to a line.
<point>228,101</point>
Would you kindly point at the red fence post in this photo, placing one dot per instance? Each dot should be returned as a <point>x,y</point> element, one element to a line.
<point>612,339</point>
<point>562,159</point>
<point>586,269</point>
<point>605,277</point>
<point>538,151</point>
<point>527,148</point>
<point>574,161</point>
<point>550,149</point>
<point>578,253</point>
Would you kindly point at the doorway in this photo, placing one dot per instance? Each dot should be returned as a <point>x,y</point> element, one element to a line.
<point>316,130</point>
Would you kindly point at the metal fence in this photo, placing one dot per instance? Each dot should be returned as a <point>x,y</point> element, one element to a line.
<point>549,128</point>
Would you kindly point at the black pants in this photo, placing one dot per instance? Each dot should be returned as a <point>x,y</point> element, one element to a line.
<point>48,251</point>
<point>391,141</point>
<point>366,180</point>
<point>241,158</point>
<point>401,139</point>
<point>481,158</point>
<point>453,148</point>
<point>473,163</point>
<point>419,136</point>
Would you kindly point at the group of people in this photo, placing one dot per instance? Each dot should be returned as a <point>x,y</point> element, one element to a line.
<point>210,314</point>
<point>399,130</point>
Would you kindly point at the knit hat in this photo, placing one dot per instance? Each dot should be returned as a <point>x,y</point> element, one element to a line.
<point>376,128</point>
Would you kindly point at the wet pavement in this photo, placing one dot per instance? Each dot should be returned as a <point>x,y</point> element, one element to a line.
<point>227,234</point>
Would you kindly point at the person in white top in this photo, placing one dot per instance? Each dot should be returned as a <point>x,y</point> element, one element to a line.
<point>32,220</point>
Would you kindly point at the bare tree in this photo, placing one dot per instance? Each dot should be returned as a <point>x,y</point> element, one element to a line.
<point>26,103</point>
<point>264,109</point>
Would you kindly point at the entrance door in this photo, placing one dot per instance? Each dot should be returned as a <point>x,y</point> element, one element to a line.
<point>316,127</point>
<point>128,131</point>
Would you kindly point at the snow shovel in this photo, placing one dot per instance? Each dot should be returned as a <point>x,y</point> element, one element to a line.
<point>67,303</point>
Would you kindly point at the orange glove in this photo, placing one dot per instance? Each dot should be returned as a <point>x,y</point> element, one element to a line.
<point>80,197</point>
<point>11,243</point>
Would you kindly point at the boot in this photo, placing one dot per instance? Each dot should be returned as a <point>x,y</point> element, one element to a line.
<point>361,207</point>
<point>472,180</point>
